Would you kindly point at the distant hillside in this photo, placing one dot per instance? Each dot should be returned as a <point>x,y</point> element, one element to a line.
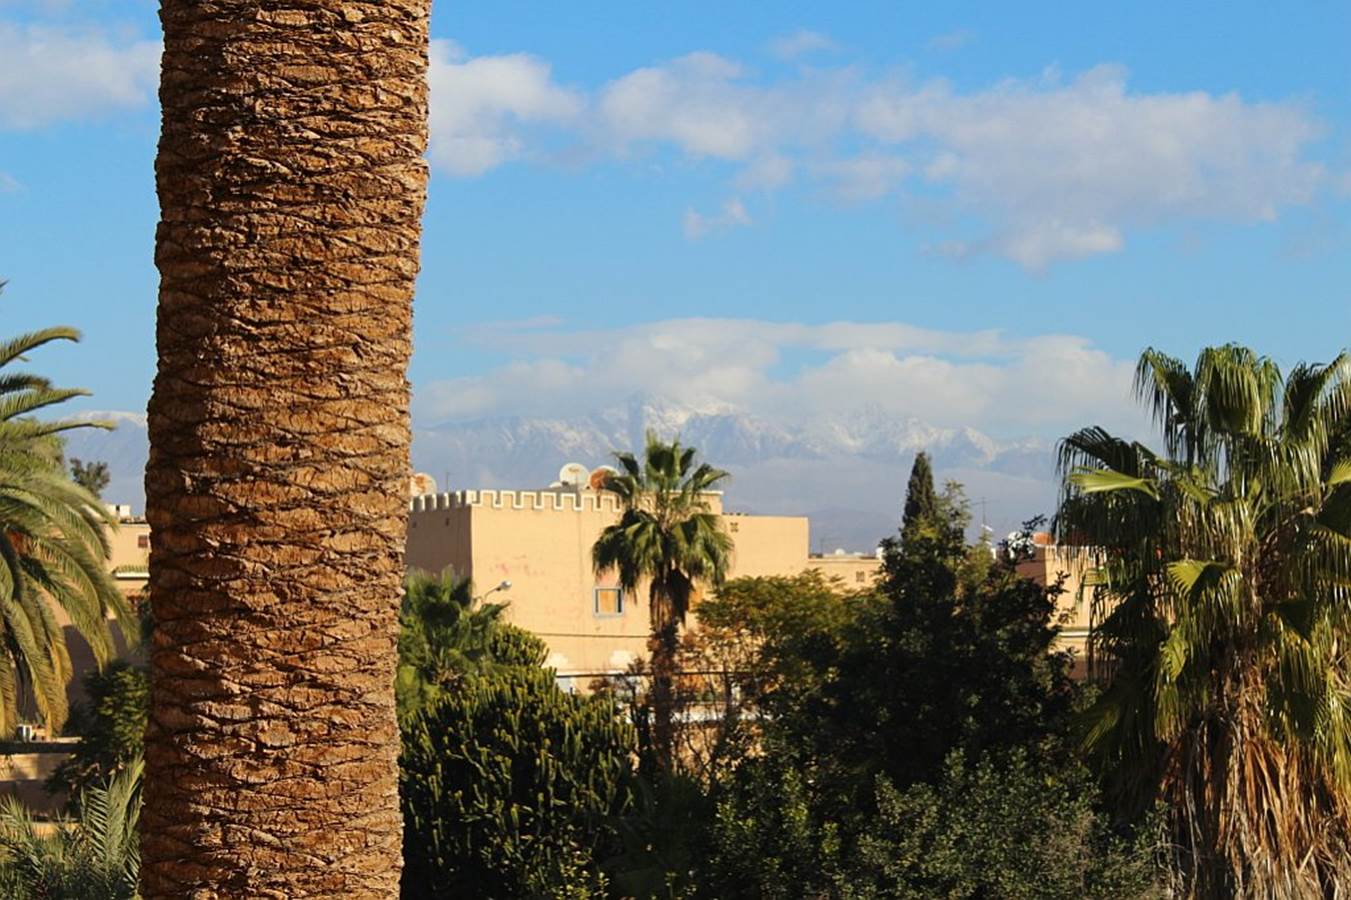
<point>847,474</point>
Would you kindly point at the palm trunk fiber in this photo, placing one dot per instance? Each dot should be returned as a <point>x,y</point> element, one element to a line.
<point>291,185</point>
<point>662,647</point>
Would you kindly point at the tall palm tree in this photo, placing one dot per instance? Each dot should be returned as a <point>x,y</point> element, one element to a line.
<point>1224,601</point>
<point>668,537</point>
<point>53,544</point>
<point>291,182</point>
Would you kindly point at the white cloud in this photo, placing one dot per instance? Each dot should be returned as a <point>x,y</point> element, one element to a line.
<point>694,102</point>
<point>732,215</point>
<point>1042,170</point>
<point>797,373</point>
<point>54,74</point>
<point>1034,170</point>
<point>801,43</point>
<point>1060,170</point>
<point>480,106</point>
<point>767,173</point>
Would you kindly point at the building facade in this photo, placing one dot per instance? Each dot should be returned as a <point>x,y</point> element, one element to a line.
<point>1070,568</point>
<point>540,542</point>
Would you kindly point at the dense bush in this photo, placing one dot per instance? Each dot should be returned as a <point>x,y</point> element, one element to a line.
<point>111,727</point>
<point>767,839</point>
<point>1001,828</point>
<point>510,787</point>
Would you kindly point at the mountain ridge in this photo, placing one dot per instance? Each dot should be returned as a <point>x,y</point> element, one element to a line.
<point>846,473</point>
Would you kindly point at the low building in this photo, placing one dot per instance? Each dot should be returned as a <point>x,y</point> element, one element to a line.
<point>539,541</point>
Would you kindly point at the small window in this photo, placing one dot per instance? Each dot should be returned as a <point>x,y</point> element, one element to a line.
<point>609,601</point>
<point>143,541</point>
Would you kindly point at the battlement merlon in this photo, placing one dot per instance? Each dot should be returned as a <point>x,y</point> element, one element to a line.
<point>540,501</point>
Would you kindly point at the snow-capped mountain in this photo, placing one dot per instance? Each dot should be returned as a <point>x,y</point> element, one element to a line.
<point>847,473</point>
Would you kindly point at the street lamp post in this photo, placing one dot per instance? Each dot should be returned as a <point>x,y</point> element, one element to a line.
<point>504,586</point>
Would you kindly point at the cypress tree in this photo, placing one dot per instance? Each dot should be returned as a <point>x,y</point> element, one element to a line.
<point>921,501</point>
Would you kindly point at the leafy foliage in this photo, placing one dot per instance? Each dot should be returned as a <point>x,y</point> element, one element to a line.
<point>1223,568</point>
<point>891,721</point>
<point>95,856</point>
<point>113,734</point>
<point>668,536</point>
<point>443,638</point>
<point>53,548</point>
<point>1005,827</point>
<point>937,665</point>
<point>509,786</point>
<point>92,476</point>
<point>768,841</point>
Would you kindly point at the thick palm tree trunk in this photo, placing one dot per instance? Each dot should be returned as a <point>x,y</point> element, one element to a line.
<point>291,186</point>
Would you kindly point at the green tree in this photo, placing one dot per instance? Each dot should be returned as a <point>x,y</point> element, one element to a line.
<point>53,545</point>
<point>92,476</point>
<point>938,666</point>
<point>113,733</point>
<point>666,536</point>
<point>95,856</point>
<point>1222,586</point>
<point>1008,826</point>
<point>443,638</point>
<point>921,501</point>
<point>510,787</point>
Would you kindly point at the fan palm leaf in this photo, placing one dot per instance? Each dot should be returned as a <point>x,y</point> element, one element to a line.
<point>1222,616</point>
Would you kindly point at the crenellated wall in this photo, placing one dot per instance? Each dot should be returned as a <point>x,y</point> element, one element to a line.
<point>541,541</point>
<point>560,501</point>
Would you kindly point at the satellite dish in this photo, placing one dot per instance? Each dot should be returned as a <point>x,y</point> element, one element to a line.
<point>599,476</point>
<point>574,474</point>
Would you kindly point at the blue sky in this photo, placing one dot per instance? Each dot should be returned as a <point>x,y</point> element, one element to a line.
<point>969,213</point>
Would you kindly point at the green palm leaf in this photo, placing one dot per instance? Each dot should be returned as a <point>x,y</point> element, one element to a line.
<point>1223,616</point>
<point>54,543</point>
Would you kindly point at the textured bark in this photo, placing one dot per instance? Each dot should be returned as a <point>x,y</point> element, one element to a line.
<point>291,186</point>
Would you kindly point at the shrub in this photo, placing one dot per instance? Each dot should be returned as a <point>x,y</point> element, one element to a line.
<point>113,732</point>
<point>766,842</point>
<point>510,787</point>
<point>1001,828</point>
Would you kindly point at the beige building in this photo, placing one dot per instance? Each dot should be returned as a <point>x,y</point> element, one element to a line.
<point>1051,563</point>
<point>540,542</point>
<point>130,558</point>
<point>129,563</point>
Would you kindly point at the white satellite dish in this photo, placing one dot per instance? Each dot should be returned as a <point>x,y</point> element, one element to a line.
<point>574,475</point>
